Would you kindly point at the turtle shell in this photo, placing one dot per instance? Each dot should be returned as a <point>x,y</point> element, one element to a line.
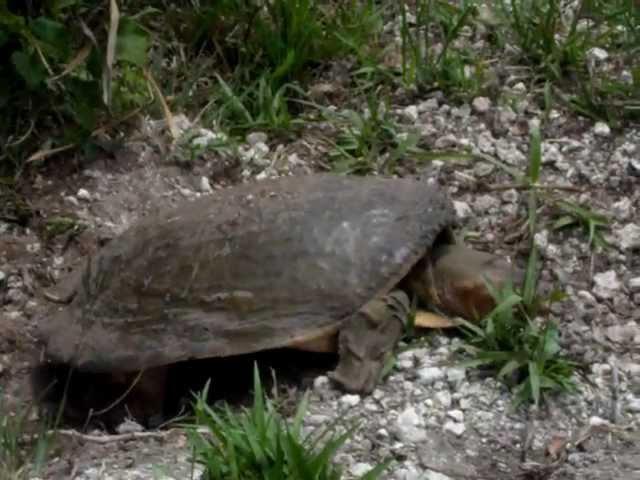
<point>248,268</point>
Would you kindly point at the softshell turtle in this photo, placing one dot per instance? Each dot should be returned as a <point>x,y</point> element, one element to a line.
<point>318,262</point>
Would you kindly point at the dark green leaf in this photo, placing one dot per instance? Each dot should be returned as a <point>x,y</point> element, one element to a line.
<point>133,43</point>
<point>29,68</point>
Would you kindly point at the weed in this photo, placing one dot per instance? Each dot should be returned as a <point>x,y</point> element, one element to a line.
<point>370,141</point>
<point>574,215</point>
<point>449,68</point>
<point>257,443</point>
<point>19,457</point>
<point>62,225</point>
<point>513,339</point>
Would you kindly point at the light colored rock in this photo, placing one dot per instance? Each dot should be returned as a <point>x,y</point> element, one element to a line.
<point>633,405</point>
<point>410,426</point>
<point>255,138</point>
<point>597,54</point>
<point>349,400</point>
<point>456,415</point>
<point>359,469</point>
<point>622,209</point>
<point>634,284</point>
<point>606,284</point>
<point>463,210</point>
<point>443,397</point>
<point>321,382</point>
<point>601,129</point>
<point>129,426</point>
<point>430,375</point>
<point>456,375</point>
<point>482,169</point>
<point>83,195</point>
<point>410,113</point>
<point>455,428</point>
<point>432,475</point>
<point>629,237</point>
<point>481,104</point>
<point>205,186</point>
<point>484,203</point>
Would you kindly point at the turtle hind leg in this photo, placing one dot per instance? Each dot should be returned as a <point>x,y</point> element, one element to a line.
<point>366,340</point>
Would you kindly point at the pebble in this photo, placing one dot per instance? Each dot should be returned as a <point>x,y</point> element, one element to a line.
<point>629,237</point>
<point>349,400</point>
<point>633,405</point>
<point>481,104</point>
<point>622,209</point>
<point>597,54</point>
<point>410,426</point>
<point>84,195</point>
<point>463,210</point>
<point>429,375</point>
<point>455,428</point>
<point>411,113</point>
<point>456,415</point>
<point>205,186</point>
<point>359,469</point>
<point>129,426</point>
<point>321,382</point>
<point>606,284</point>
<point>601,129</point>
<point>256,138</point>
<point>634,284</point>
<point>432,475</point>
<point>456,375</point>
<point>482,169</point>
<point>443,397</point>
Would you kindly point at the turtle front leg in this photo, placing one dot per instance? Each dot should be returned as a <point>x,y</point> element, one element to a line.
<point>366,340</point>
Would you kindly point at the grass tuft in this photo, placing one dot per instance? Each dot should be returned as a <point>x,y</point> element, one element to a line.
<point>259,444</point>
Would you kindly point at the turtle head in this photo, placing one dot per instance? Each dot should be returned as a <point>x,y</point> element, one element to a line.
<point>454,278</point>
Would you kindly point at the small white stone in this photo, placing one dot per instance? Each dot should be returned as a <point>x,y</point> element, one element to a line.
<point>634,284</point>
<point>454,427</point>
<point>255,138</point>
<point>481,104</point>
<point>320,382</point>
<point>83,195</point>
<point>429,375</point>
<point>622,209</point>
<point>433,475</point>
<point>597,422</point>
<point>629,237</point>
<point>456,415</point>
<point>129,426</point>
<point>205,186</point>
<point>482,169</point>
<point>463,210</point>
<point>410,426</point>
<point>597,54</point>
<point>349,400</point>
<point>456,374</point>
<point>633,405</point>
<point>359,469</point>
<point>606,284</point>
<point>430,105</point>
<point>601,129</point>
<point>519,87</point>
<point>443,397</point>
<point>411,113</point>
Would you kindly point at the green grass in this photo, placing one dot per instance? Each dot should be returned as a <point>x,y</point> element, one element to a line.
<point>516,339</point>
<point>257,443</point>
<point>20,457</point>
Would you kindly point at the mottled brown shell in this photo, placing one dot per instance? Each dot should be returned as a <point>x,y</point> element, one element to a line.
<point>249,268</point>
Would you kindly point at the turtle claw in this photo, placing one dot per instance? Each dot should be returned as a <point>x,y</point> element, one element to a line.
<point>366,339</point>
